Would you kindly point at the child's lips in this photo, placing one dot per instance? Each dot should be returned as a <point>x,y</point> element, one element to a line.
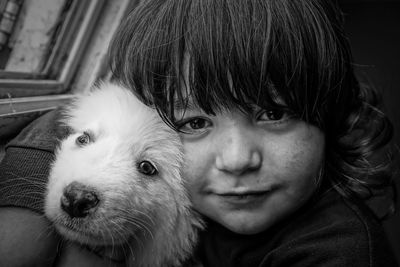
<point>242,194</point>
<point>244,198</point>
<point>243,191</point>
<point>243,201</point>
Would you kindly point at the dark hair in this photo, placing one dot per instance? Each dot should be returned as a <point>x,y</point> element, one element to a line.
<point>242,51</point>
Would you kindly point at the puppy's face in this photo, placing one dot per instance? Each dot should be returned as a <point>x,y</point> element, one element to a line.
<point>117,174</point>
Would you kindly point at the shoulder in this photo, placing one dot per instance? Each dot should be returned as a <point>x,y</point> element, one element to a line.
<point>27,238</point>
<point>332,232</point>
<point>26,163</point>
<point>43,133</point>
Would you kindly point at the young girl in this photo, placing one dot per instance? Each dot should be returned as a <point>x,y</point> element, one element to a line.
<point>282,143</point>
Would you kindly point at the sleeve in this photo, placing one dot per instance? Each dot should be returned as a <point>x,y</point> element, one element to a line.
<point>346,244</point>
<point>25,167</point>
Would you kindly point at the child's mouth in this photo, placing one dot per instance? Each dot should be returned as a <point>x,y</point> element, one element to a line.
<point>245,199</point>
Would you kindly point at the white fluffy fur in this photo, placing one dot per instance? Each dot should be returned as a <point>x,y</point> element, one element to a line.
<point>150,213</point>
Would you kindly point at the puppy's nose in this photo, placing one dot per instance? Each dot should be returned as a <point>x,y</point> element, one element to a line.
<point>78,200</point>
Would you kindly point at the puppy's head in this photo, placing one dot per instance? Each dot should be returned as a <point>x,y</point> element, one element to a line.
<point>118,174</point>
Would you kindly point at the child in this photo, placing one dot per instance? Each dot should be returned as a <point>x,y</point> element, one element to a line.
<point>277,131</point>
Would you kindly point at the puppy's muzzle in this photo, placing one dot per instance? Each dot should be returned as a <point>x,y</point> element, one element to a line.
<point>78,200</point>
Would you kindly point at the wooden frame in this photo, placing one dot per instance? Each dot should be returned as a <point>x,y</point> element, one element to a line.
<point>25,96</point>
<point>66,53</point>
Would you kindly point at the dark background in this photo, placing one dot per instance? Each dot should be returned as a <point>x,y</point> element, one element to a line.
<point>373,28</point>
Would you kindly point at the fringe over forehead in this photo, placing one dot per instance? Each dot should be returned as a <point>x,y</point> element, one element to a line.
<point>239,52</point>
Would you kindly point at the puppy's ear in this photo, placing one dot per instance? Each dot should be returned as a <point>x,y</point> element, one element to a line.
<point>97,85</point>
<point>66,112</point>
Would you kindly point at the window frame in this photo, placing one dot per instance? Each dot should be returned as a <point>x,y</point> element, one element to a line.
<point>85,64</point>
<point>26,84</point>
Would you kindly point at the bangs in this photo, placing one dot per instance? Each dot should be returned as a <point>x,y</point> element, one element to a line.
<point>224,54</point>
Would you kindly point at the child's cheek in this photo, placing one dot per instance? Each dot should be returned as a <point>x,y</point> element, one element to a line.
<point>307,156</point>
<point>197,160</point>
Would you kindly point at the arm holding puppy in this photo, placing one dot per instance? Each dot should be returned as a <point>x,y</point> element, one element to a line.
<point>27,238</point>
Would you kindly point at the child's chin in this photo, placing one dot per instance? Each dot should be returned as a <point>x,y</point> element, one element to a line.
<point>246,224</point>
<point>247,229</point>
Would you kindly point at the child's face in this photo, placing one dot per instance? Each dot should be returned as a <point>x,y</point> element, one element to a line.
<point>248,171</point>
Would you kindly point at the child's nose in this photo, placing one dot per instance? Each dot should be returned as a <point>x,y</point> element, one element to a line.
<point>238,152</point>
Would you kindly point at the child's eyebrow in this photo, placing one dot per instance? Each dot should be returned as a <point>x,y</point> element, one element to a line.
<point>184,105</point>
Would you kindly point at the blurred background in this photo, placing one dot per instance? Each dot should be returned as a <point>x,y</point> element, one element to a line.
<point>373,28</point>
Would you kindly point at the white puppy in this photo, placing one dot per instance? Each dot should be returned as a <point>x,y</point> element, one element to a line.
<point>116,180</point>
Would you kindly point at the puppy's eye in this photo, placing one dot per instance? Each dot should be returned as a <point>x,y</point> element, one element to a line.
<point>147,168</point>
<point>83,139</point>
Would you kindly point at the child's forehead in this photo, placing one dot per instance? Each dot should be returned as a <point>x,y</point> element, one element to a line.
<point>190,105</point>
<point>185,104</point>
<point>191,97</point>
<point>187,81</point>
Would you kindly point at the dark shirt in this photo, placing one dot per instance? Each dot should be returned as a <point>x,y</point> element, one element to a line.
<point>329,231</point>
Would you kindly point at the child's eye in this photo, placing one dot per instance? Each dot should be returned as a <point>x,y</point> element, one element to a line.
<point>197,123</point>
<point>273,115</point>
<point>193,125</point>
